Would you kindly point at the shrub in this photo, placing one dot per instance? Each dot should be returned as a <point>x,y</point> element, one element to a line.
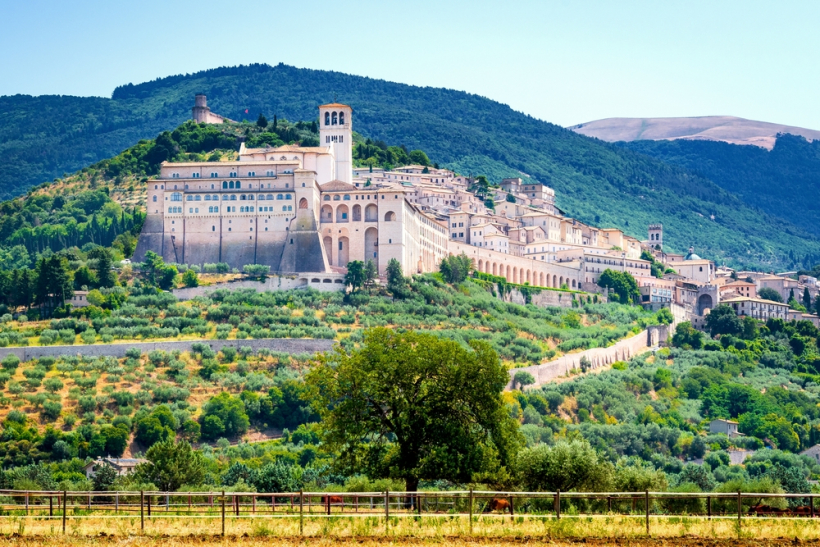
<point>11,362</point>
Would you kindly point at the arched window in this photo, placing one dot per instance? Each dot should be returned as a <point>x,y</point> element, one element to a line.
<point>190,198</point>
<point>288,196</point>
<point>337,197</point>
<point>230,184</point>
<point>197,198</point>
<point>303,204</point>
<point>341,118</point>
<point>176,196</point>
<point>327,118</point>
<point>270,197</point>
<point>347,197</point>
<point>208,197</point>
<point>389,216</point>
<point>280,196</point>
<point>261,197</point>
<point>238,184</point>
<point>155,198</point>
<point>242,197</point>
<point>334,119</point>
<point>284,207</point>
<point>327,198</point>
<point>216,198</point>
<point>233,198</point>
<point>224,185</point>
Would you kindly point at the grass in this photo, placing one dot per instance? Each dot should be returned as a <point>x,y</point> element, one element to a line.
<point>409,530</point>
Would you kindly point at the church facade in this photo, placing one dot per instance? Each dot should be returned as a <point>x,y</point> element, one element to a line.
<point>292,208</point>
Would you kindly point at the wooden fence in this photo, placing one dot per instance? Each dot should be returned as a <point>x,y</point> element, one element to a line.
<point>65,505</point>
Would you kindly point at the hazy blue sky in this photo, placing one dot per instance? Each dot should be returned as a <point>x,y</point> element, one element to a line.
<point>563,61</point>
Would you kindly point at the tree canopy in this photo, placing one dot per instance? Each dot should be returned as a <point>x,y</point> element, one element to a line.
<point>413,406</point>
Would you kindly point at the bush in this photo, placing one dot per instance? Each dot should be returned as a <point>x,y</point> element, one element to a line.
<point>224,414</point>
<point>52,410</point>
<point>11,362</point>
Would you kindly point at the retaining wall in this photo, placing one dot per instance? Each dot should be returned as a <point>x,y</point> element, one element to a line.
<point>598,357</point>
<point>286,345</point>
<point>544,299</point>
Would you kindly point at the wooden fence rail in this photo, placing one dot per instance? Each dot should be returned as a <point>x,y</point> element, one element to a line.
<point>471,504</point>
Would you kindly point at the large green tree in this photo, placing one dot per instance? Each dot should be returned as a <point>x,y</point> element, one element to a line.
<point>723,320</point>
<point>622,284</point>
<point>172,464</point>
<point>414,406</point>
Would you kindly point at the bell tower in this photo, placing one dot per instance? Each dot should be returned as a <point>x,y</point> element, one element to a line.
<point>336,131</point>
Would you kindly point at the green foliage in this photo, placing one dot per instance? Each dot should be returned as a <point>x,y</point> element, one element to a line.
<point>455,269</point>
<point>686,336</point>
<point>190,279</point>
<point>224,416</point>
<point>623,284</point>
<point>171,465</point>
<point>378,405</point>
<point>769,294</point>
<point>522,379</point>
<point>723,320</point>
<point>355,274</point>
<point>565,466</point>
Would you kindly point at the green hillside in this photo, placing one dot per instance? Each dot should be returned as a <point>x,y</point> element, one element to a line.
<point>774,181</point>
<point>42,137</point>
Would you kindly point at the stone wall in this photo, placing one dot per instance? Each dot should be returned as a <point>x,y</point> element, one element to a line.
<point>286,345</point>
<point>544,299</point>
<point>598,357</point>
<point>318,281</point>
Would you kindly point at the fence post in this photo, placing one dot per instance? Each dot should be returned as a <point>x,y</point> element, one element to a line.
<point>117,503</point>
<point>709,507</point>
<point>65,505</point>
<point>223,513</point>
<point>609,504</point>
<point>558,504</point>
<point>26,501</point>
<point>512,508</point>
<point>51,506</point>
<point>647,512</point>
<point>386,511</point>
<point>811,504</point>
<point>142,511</point>
<point>471,511</point>
<point>301,512</point>
<point>739,511</point>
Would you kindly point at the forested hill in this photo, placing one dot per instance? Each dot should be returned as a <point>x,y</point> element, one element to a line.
<point>777,181</point>
<point>604,184</point>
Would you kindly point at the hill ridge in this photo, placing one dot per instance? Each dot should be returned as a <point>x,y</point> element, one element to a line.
<point>731,129</point>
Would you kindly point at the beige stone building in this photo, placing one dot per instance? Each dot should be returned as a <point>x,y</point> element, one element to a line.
<point>292,208</point>
<point>758,308</point>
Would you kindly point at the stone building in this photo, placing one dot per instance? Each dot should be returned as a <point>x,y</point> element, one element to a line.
<point>289,207</point>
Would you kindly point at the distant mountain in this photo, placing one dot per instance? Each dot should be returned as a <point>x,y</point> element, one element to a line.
<point>596,182</point>
<point>709,128</point>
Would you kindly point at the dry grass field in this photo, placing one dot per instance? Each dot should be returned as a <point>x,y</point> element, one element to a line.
<point>409,531</point>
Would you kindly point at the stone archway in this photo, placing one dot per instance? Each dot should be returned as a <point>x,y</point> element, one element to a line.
<point>705,302</point>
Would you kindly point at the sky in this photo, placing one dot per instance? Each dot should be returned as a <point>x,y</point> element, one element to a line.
<point>562,61</point>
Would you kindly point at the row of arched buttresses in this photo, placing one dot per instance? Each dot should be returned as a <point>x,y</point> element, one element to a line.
<point>519,276</point>
<point>334,118</point>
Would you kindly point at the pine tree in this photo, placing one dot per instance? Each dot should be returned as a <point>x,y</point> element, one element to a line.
<point>105,276</point>
<point>807,299</point>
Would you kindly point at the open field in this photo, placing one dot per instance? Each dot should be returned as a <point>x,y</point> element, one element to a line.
<point>425,531</point>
